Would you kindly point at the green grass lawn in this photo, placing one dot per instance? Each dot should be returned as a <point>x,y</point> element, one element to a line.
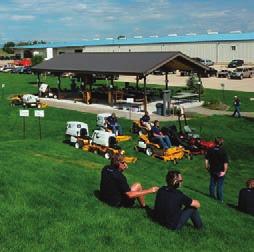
<point>48,189</point>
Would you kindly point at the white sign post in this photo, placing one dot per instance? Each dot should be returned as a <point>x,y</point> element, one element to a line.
<point>39,114</point>
<point>129,101</point>
<point>24,113</point>
<point>3,86</point>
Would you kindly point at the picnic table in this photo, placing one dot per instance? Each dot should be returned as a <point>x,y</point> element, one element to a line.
<point>129,105</point>
<point>185,97</point>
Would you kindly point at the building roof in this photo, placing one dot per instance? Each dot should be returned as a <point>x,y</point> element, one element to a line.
<point>150,40</point>
<point>125,63</point>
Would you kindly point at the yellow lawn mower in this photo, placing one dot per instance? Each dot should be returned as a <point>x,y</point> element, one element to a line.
<point>101,142</point>
<point>151,148</point>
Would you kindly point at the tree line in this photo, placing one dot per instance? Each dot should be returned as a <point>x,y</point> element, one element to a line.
<point>8,47</point>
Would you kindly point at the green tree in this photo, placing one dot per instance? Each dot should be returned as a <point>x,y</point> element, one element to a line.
<point>36,59</point>
<point>8,47</point>
<point>194,84</point>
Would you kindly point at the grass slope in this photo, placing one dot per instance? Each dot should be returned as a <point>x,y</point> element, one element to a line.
<point>48,189</point>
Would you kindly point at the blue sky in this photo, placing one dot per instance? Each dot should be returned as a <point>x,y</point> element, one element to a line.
<point>72,20</point>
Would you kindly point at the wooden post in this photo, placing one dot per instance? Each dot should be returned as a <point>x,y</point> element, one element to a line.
<point>137,81</point>
<point>38,81</point>
<point>166,80</point>
<point>59,86</point>
<point>199,88</point>
<point>145,96</point>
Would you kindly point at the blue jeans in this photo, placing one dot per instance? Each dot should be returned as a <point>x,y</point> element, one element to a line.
<point>190,213</point>
<point>216,182</point>
<point>116,128</point>
<point>164,141</point>
<point>237,111</point>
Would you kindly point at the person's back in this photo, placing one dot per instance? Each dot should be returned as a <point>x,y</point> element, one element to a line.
<point>113,186</point>
<point>246,198</point>
<point>217,157</point>
<point>168,205</point>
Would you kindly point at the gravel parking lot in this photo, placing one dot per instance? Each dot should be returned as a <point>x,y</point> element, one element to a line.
<point>246,85</point>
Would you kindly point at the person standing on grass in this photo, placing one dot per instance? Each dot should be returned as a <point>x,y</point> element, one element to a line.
<point>114,188</point>
<point>246,198</point>
<point>236,104</point>
<point>216,163</point>
<point>169,203</point>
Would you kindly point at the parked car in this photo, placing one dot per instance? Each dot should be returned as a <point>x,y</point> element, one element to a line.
<point>240,73</point>
<point>207,62</point>
<point>27,70</point>
<point>224,73</point>
<point>235,63</point>
<point>18,69</point>
<point>211,72</point>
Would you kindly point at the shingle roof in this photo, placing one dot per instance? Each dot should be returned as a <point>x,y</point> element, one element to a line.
<point>135,63</point>
<point>150,40</point>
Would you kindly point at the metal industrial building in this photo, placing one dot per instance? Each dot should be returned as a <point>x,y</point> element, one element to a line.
<point>220,48</point>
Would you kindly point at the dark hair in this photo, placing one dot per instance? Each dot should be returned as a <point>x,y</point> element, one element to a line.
<point>219,141</point>
<point>117,159</point>
<point>250,183</point>
<point>172,179</point>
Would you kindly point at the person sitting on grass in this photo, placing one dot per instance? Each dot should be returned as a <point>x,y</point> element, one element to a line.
<point>163,140</point>
<point>169,202</point>
<point>112,124</point>
<point>246,198</point>
<point>114,188</point>
<point>145,121</point>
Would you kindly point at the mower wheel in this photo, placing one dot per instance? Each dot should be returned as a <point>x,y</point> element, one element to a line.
<point>136,148</point>
<point>79,144</point>
<point>107,155</point>
<point>149,151</point>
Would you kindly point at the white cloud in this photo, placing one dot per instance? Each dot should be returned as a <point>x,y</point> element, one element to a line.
<point>212,14</point>
<point>22,17</point>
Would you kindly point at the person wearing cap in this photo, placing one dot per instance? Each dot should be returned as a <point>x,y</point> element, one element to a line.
<point>236,104</point>
<point>216,163</point>
<point>163,140</point>
<point>172,207</point>
<point>114,188</point>
<point>112,124</point>
<point>246,198</point>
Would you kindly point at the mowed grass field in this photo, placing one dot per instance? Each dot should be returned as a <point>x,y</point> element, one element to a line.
<point>48,189</point>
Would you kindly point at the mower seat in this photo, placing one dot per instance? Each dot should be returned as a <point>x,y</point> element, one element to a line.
<point>113,142</point>
<point>84,135</point>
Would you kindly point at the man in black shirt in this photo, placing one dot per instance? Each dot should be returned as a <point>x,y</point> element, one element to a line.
<point>216,162</point>
<point>145,121</point>
<point>246,198</point>
<point>170,201</point>
<point>113,124</point>
<point>114,188</point>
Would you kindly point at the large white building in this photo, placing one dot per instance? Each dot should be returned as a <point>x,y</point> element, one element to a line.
<point>220,48</point>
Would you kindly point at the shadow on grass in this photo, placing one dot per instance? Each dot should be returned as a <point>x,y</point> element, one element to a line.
<point>195,190</point>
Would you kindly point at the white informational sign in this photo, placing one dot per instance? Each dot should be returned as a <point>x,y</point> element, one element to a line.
<point>39,113</point>
<point>129,100</point>
<point>23,112</point>
<point>43,87</point>
<point>3,85</point>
